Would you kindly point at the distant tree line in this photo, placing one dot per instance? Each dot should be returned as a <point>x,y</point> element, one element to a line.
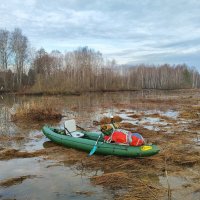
<point>37,71</point>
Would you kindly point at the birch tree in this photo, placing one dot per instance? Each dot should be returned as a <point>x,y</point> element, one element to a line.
<point>4,49</point>
<point>19,47</point>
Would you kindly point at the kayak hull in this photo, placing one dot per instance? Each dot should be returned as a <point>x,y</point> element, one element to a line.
<point>87,142</point>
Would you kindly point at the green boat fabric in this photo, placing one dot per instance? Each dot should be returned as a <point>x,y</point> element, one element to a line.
<point>87,142</point>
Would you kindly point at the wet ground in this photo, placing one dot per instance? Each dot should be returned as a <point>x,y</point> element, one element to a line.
<point>32,167</point>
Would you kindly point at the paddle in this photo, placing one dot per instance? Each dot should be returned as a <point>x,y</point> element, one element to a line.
<point>94,147</point>
<point>67,130</point>
<point>80,128</point>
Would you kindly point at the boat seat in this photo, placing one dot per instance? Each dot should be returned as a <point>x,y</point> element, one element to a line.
<point>70,129</point>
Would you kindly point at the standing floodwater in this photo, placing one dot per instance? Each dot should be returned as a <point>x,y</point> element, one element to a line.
<point>32,167</point>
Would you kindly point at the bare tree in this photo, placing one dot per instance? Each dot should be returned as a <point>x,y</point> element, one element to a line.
<point>4,55</point>
<point>82,67</point>
<point>4,49</point>
<point>19,46</point>
<point>58,59</point>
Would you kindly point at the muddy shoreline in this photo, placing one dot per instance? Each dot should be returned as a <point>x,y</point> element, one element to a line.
<point>77,93</point>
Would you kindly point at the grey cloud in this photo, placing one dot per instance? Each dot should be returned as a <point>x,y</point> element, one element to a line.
<point>125,30</point>
<point>191,59</point>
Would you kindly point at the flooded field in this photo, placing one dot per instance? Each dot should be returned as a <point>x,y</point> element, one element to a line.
<point>32,167</point>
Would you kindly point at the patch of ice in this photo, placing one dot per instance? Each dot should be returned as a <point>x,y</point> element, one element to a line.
<point>150,120</point>
<point>136,122</point>
<point>171,113</point>
<point>125,117</point>
<point>152,128</point>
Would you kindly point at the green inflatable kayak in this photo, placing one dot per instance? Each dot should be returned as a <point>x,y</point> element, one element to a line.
<point>86,141</point>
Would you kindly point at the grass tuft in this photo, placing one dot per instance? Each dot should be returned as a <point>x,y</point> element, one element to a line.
<point>37,111</point>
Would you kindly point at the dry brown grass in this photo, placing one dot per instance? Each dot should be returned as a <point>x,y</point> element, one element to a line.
<point>46,109</point>
<point>162,117</point>
<point>114,180</point>
<point>7,154</point>
<point>134,116</point>
<point>15,181</point>
<point>107,120</point>
<point>4,138</point>
<point>192,112</point>
<point>127,125</point>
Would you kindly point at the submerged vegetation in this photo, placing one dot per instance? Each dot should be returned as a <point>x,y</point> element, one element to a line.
<point>15,181</point>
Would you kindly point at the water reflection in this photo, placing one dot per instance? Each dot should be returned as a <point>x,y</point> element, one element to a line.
<point>85,109</point>
<point>67,179</point>
<point>49,183</point>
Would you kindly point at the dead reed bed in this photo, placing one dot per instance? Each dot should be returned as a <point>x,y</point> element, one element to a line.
<point>191,112</point>
<point>45,109</point>
<point>107,120</point>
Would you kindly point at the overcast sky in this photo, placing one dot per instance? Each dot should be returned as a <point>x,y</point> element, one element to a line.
<point>130,31</point>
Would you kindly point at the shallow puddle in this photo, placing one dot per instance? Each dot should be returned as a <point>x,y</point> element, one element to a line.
<point>145,120</point>
<point>180,187</point>
<point>44,177</point>
<point>50,180</point>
